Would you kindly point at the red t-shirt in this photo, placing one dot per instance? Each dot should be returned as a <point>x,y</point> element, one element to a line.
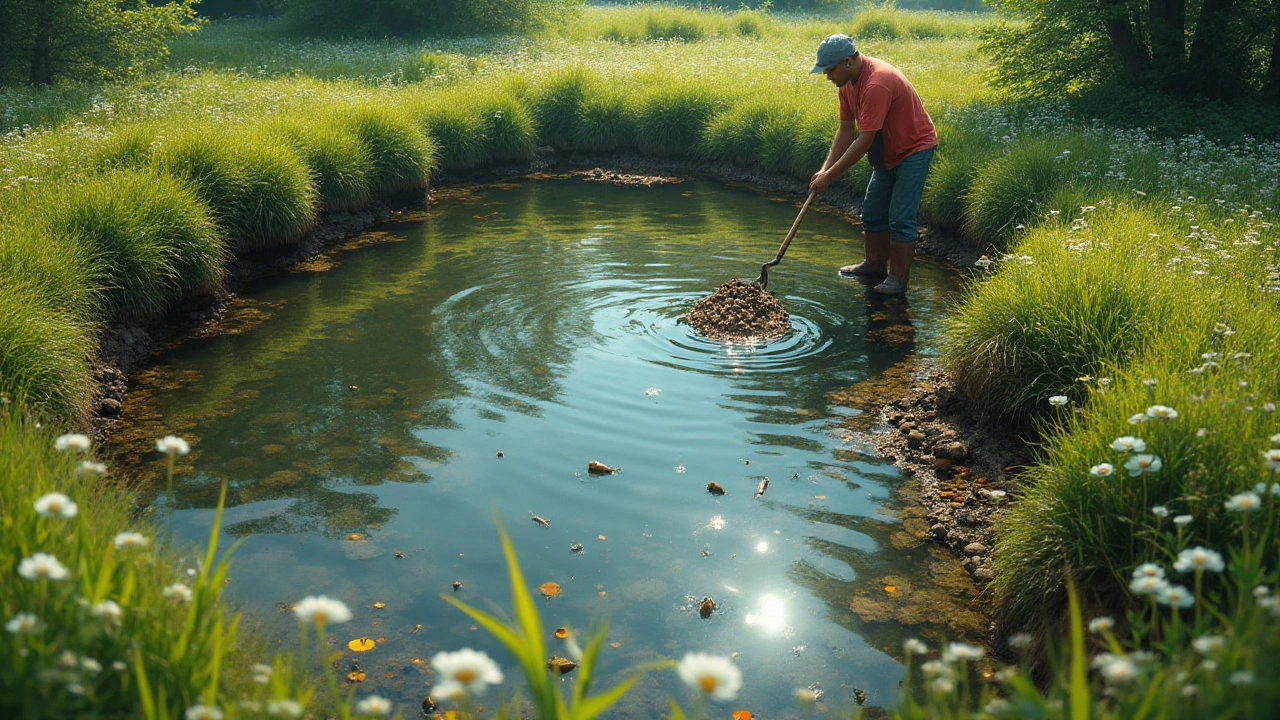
<point>883,99</point>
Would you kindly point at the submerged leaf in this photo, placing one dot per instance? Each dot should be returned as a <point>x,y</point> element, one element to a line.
<point>549,589</point>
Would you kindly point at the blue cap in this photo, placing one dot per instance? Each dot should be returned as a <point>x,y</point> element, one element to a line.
<point>832,50</point>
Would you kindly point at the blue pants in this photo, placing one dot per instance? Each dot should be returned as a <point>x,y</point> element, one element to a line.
<point>893,198</point>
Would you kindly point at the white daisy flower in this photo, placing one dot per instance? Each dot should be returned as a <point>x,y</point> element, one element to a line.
<point>1059,400</point>
<point>374,705</point>
<point>172,445</point>
<point>1138,418</point>
<point>713,675</point>
<point>1147,585</point>
<point>465,671</point>
<point>1176,596</point>
<point>1267,488</point>
<point>41,566</point>
<point>130,540</point>
<point>261,673</point>
<point>23,624</point>
<point>1139,464</point>
<point>72,441</point>
<point>1128,443</point>
<point>937,669</point>
<point>1261,591</point>
<point>962,651</point>
<point>1148,570</point>
<point>119,666</point>
<point>943,685</point>
<point>1241,677</point>
<point>56,505</point>
<point>1272,459</point>
<point>1181,520</point>
<point>1206,644</point>
<point>88,467</point>
<point>1199,559</point>
<point>1161,412</point>
<point>1020,641</point>
<point>90,665</point>
<point>1189,690</point>
<point>322,610</point>
<point>1102,470</point>
<point>1160,511</point>
<point>177,591</point>
<point>204,712</point>
<point>1244,502</point>
<point>108,610</point>
<point>914,646</point>
<point>1275,439</point>
<point>1120,671</point>
<point>1101,624</point>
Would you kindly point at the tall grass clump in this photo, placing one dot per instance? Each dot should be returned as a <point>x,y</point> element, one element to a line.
<point>1008,191</point>
<point>402,155</point>
<point>340,165</point>
<point>59,270</point>
<point>556,103</point>
<point>671,117</point>
<point>605,121</point>
<point>886,22</point>
<point>509,131</point>
<point>457,131</point>
<point>1051,315</point>
<point>149,239</point>
<point>45,358</point>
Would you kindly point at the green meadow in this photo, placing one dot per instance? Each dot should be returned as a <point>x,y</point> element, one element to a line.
<point>1125,270</point>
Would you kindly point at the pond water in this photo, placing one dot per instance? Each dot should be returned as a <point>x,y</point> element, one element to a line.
<point>373,411</point>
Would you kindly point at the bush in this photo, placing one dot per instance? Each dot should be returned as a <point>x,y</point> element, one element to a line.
<point>402,155</point>
<point>149,239</point>
<point>341,167</point>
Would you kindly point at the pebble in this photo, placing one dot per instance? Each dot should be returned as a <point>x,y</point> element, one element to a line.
<point>984,574</point>
<point>975,549</point>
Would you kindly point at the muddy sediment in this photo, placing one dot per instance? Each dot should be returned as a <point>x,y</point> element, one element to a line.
<point>739,310</point>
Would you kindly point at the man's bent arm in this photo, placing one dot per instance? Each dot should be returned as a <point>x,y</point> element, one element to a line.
<point>845,137</point>
<point>852,155</point>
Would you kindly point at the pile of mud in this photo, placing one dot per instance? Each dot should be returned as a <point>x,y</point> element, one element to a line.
<point>739,311</point>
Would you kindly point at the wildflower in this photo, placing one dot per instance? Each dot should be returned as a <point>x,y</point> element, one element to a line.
<point>108,610</point>
<point>713,675</point>
<point>90,665</point>
<point>1020,641</point>
<point>1102,470</point>
<point>1199,559</point>
<point>1261,591</point>
<point>1139,464</point>
<point>88,467</point>
<point>1162,412</point>
<point>1241,677</point>
<point>321,610</point>
<point>1265,488</point>
<point>1181,520</point>
<point>1120,671</point>
<point>914,646</point>
<point>68,660</point>
<point>1101,624</point>
<point>1128,443</point>
<point>1148,570</point>
<point>1275,439</point>
<point>1147,585</point>
<point>23,623</point>
<point>1206,644</point>
<point>204,712</point>
<point>1059,400</point>
<point>41,566</point>
<point>470,671</point>
<point>75,688</point>
<point>261,673</point>
<point>1273,459</point>
<point>936,669</point>
<point>119,666</point>
<point>56,505</point>
<point>292,709</point>
<point>1176,596</point>
<point>130,540</point>
<point>1202,432</point>
<point>72,441</point>
<point>1138,418</point>
<point>1208,665</point>
<point>172,445</point>
<point>1104,382</point>
<point>962,651</point>
<point>944,685</point>
<point>1160,511</point>
<point>1150,382</point>
<point>177,591</point>
<point>1244,502</point>
<point>1189,690</point>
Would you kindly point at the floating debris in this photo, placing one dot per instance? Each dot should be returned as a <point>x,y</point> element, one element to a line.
<point>576,547</point>
<point>501,454</point>
<point>564,665</point>
<point>599,468</point>
<point>714,488</point>
<point>540,520</point>
<point>457,584</point>
<point>650,392</point>
<point>428,706</point>
<point>859,696</point>
<point>764,485</point>
<point>550,589</point>
<point>706,606</point>
<point>379,605</point>
<point>739,310</point>
<point>562,633</point>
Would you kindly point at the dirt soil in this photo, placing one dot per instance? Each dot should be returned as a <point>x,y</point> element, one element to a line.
<point>739,310</point>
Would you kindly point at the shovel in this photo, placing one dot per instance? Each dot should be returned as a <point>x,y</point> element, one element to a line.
<point>762,282</point>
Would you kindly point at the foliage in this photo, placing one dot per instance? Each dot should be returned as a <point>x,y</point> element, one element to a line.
<point>45,41</point>
<point>402,17</point>
<point>1218,48</point>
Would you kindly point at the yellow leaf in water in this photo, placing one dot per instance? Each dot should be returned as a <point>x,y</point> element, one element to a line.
<point>601,537</point>
<point>361,645</point>
<point>388,674</point>
<point>355,536</point>
<point>379,605</point>
<point>418,661</point>
<point>602,593</point>
<point>549,589</point>
<point>356,676</point>
<point>742,715</point>
<point>890,588</point>
<point>562,633</point>
<point>615,644</point>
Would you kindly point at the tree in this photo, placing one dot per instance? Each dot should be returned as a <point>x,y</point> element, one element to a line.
<point>44,41</point>
<point>1217,48</point>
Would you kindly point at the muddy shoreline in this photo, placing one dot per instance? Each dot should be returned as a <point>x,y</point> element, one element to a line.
<point>957,462</point>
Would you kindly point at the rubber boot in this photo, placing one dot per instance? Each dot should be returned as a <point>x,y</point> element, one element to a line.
<point>900,255</point>
<point>876,251</point>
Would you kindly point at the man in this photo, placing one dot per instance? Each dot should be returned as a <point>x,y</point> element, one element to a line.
<point>881,116</point>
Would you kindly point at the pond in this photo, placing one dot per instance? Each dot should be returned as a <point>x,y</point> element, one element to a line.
<point>375,409</point>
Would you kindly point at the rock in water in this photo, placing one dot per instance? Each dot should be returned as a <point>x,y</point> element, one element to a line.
<point>739,311</point>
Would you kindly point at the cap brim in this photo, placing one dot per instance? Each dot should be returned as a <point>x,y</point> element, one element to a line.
<point>819,68</point>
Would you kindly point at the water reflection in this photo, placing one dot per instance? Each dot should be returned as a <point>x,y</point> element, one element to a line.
<point>471,360</point>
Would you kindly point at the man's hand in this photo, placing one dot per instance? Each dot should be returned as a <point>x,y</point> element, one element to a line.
<point>819,182</point>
